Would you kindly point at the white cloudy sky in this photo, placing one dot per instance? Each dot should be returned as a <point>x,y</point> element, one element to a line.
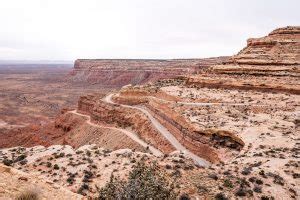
<point>70,29</point>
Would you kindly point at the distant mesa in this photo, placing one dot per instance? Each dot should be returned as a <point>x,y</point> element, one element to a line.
<point>120,72</point>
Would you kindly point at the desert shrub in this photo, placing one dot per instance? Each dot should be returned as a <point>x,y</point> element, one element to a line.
<point>220,196</point>
<point>70,180</point>
<point>168,166</point>
<point>257,189</point>
<point>23,162</point>
<point>83,187</point>
<point>88,153</point>
<point>184,197</point>
<point>56,167</point>
<point>112,190</point>
<point>49,164</point>
<point>28,195</point>
<point>87,176</point>
<point>228,183</point>
<point>79,152</point>
<point>20,157</point>
<point>60,155</point>
<point>241,192</point>
<point>267,198</point>
<point>144,182</point>
<point>7,162</point>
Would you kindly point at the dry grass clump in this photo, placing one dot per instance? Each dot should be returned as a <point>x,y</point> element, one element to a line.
<point>28,195</point>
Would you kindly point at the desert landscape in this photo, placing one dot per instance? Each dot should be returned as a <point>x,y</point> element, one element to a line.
<point>150,100</point>
<point>215,128</point>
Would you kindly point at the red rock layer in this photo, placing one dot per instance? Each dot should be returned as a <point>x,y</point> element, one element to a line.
<point>120,72</point>
<point>285,84</point>
<point>280,47</point>
<point>267,64</point>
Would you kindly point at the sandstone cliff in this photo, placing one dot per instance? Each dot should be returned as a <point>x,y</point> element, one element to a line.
<point>120,72</point>
<point>263,65</point>
<point>280,47</point>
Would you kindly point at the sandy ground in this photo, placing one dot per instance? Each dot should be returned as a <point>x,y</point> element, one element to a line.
<point>14,183</point>
<point>88,165</point>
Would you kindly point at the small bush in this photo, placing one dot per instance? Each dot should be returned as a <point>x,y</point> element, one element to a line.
<point>184,197</point>
<point>83,187</point>
<point>20,157</point>
<point>221,196</point>
<point>23,162</point>
<point>241,192</point>
<point>228,183</point>
<point>257,189</point>
<point>259,182</point>
<point>79,152</point>
<point>144,182</point>
<point>7,162</point>
<point>49,164</point>
<point>267,198</point>
<point>56,167</point>
<point>88,153</point>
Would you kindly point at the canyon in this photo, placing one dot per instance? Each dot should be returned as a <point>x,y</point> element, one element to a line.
<point>218,128</point>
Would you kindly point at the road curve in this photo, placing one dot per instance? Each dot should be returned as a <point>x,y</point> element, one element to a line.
<point>130,134</point>
<point>164,131</point>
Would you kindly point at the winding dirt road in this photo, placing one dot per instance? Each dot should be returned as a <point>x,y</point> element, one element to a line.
<point>207,104</point>
<point>130,134</point>
<point>164,131</point>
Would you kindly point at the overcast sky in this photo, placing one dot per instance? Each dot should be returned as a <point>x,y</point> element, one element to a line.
<point>71,29</point>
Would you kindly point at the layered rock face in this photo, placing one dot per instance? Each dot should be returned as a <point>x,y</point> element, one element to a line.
<point>269,64</point>
<point>120,72</point>
<point>280,47</point>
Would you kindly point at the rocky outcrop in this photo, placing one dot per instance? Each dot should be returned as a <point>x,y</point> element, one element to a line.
<point>280,47</point>
<point>120,72</point>
<point>86,103</point>
<point>15,183</point>
<point>267,64</point>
